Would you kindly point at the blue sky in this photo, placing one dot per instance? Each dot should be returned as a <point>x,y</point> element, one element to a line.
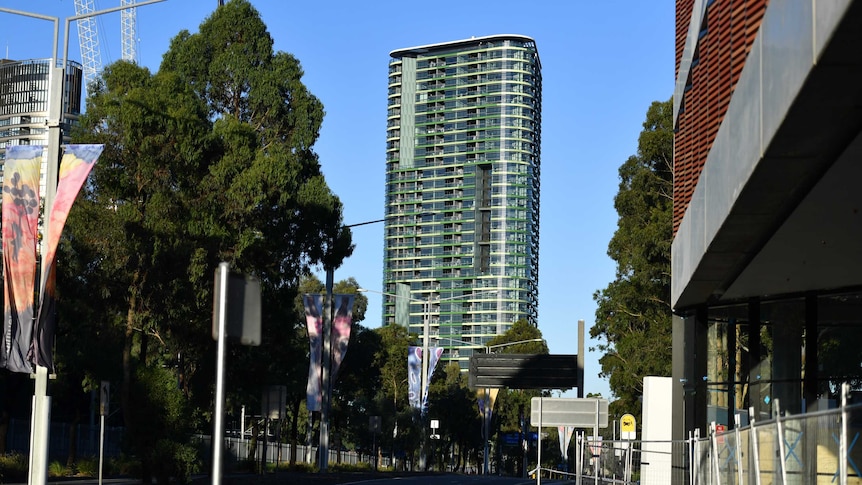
<point>603,63</point>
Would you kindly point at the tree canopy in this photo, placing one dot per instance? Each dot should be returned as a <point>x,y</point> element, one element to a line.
<point>210,159</point>
<point>633,318</point>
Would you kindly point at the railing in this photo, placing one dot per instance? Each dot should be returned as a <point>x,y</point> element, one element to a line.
<point>819,447</point>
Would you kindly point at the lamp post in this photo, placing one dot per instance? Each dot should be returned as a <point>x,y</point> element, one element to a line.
<point>426,336</point>
<point>486,407</point>
<point>326,361</point>
<point>56,87</point>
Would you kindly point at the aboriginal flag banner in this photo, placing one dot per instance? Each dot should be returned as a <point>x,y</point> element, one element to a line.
<point>78,161</point>
<point>20,226</point>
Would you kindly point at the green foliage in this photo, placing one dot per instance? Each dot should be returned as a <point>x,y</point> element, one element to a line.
<point>57,469</point>
<point>520,339</point>
<point>174,462</point>
<point>350,468</point>
<point>210,159</point>
<point>160,425</point>
<point>87,467</point>
<point>13,468</point>
<point>633,318</point>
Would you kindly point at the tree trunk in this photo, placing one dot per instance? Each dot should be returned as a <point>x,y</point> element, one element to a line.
<point>294,431</point>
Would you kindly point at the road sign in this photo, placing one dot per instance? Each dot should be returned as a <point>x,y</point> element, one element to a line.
<point>628,427</point>
<point>566,411</point>
<point>105,398</point>
<point>524,371</point>
<point>374,424</point>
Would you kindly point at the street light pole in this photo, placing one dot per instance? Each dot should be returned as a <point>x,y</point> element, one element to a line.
<point>426,356</point>
<point>486,406</point>
<point>41,416</point>
<point>326,362</point>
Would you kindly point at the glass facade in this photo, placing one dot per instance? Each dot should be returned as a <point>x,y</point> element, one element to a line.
<point>462,188</point>
<point>24,103</point>
<point>783,354</point>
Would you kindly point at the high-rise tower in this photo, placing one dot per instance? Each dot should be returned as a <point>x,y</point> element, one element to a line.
<point>24,103</point>
<point>462,189</point>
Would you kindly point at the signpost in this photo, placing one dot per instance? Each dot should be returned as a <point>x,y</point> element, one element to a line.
<point>236,313</point>
<point>561,411</point>
<point>627,427</point>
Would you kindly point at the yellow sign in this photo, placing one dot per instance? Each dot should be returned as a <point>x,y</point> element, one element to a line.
<point>627,423</point>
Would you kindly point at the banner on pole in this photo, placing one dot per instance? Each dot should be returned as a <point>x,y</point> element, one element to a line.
<point>313,305</point>
<point>20,225</point>
<point>414,375</point>
<point>340,337</point>
<point>78,161</point>
<point>435,353</point>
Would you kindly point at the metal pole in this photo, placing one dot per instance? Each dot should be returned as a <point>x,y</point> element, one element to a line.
<point>101,446</point>
<point>755,451</point>
<point>842,441</point>
<point>779,428</point>
<point>218,418</point>
<point>487,425</point>
<point>325,383</point>
<point>539,446</point>
<point>423,393</point>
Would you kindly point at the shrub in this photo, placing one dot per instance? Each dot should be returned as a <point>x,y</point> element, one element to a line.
<point>57,469</point>
<point>174,461</point>
<point>13,468</point>
<point>88,467</point>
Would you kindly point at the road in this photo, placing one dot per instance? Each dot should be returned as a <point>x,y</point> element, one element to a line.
<point>452,479</point>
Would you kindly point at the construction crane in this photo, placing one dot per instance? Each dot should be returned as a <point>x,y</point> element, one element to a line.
<point>88,37</point>
<point>129,21</point>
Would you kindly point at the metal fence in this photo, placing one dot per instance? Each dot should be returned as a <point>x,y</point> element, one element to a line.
<point>237,450</point>
<point>814,448</point>
<point>86,440</point>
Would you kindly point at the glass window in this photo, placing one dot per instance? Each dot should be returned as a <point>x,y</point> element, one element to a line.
<point>839,333</point>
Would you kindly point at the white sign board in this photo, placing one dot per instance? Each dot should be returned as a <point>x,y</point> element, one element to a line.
<point>566,411</point>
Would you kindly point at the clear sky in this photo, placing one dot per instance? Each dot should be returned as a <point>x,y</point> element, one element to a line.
<point>603,63</point>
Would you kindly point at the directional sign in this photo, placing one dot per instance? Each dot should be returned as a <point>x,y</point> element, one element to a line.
<point>566,411</point>
<point>524,371</point>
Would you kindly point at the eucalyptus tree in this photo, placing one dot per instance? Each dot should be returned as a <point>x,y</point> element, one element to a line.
<point>633,318</point>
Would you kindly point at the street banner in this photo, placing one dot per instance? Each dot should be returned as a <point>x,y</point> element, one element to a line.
<point>435,352</point>
<point>414,375</point>
<point>484,395</point>
<point>565,434</point>
<point>20,226</point>
<point>314,323</point>
<point>340,337</point>
<point>77,162</point>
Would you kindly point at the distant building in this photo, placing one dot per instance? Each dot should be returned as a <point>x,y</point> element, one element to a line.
<point>767,249</point>
<point>24,104</point>
<point>462,188</point>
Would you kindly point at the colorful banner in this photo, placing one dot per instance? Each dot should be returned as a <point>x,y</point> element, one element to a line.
<point>435,352</point>
<point>565,435</point>
<point>414,375</point>
<point>314,323</point>
<point>78,161</point>
<point>340,338</point>
<point>20,226</point>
